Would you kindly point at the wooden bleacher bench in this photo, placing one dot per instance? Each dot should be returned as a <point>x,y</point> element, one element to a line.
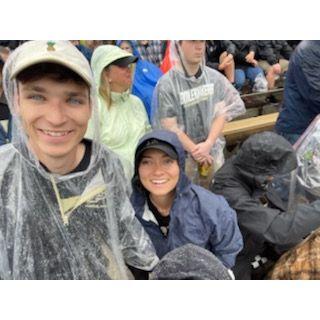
<point>239,130</point>
<point>256,99</point>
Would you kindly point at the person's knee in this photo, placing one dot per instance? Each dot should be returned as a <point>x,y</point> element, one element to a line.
<point>253,73</point>
<point>239,79</point>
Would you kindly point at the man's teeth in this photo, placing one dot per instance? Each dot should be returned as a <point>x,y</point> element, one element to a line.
<point>56,133</point>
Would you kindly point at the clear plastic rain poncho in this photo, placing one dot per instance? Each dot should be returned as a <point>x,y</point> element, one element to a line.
<point>125,121</point>
<point>75,226</point>
<point>305,180</point>
<point>194,102</point>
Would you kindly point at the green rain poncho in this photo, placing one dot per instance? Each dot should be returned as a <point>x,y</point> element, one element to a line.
<point>125,121</point>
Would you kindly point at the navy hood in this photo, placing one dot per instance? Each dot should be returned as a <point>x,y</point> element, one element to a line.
<point>138,193</point>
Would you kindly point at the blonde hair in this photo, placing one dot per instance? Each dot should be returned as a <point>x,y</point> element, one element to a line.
<point>104,89</point>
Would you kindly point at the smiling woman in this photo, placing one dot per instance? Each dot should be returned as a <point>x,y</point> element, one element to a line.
<point>159,174</point>
<point>175,211</point>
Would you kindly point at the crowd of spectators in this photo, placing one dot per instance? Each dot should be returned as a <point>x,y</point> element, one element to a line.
<point>144,119</point>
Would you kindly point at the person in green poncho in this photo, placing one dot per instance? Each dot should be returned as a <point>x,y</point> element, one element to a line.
<point>122,116</point>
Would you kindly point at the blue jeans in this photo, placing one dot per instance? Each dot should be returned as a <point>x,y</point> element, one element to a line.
<point>249,73</point>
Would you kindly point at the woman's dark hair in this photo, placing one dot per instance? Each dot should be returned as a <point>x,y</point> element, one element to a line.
<point>52,71</point>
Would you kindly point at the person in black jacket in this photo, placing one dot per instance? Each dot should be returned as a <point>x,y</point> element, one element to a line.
<point>246,65</point>
<point>273,57</point>
<point>219,57</point>
<point>268,227</point>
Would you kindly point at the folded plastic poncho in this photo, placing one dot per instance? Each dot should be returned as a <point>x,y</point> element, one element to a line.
<point>75,226</point>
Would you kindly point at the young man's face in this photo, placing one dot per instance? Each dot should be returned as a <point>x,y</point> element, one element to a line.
<point>193,51</point>
<point>55,116</point>
<point>158,173</point>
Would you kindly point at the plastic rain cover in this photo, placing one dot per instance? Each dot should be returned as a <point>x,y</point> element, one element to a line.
<point>194,102</point>
<point>75,226</point>
<point>305,181</point>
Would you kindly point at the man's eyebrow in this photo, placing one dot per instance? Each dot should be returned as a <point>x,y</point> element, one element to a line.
<point>66,93</point>
<point>34,88</point>
<point>76,94</point>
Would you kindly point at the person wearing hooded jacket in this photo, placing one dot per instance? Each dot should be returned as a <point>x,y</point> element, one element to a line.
<point>218,57</point>
<point>246,65</point>
<point>267,224</point>
<point>301,100</point>
<point>195,102</point>
<point>146,75</point>
<point>273,57</point>
<point>65,211</point>
<point>123,118</point>
<point>175,211</point>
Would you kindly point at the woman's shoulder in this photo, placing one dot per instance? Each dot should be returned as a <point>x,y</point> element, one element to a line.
<point>136,104</point>
<point>208,199</point>
<point>135,99</point>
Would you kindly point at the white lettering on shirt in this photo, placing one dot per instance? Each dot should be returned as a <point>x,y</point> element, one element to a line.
<point>195,95</point>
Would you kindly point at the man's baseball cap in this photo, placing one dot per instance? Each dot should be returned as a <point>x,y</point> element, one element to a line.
<point>59,52</point>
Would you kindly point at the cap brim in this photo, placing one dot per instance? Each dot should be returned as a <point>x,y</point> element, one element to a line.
<point>123,62</point>
<point>166,149</point>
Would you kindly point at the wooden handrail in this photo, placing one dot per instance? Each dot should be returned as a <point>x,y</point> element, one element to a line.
<point>240,129</point>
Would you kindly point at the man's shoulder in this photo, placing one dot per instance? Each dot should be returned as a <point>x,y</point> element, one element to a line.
<point>212,72</point>
<point>7,153</point>
<point>171,80</point>
<point>109,156</point>
<point>167,77</point>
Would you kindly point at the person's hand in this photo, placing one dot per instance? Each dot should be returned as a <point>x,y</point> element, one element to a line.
<point>250,57</point>
<point>204,160</point>
<point>228,59</point>
<point>201,152</point>
<point>225,62</point>
<point>276,68</point>
<point>254,62</point>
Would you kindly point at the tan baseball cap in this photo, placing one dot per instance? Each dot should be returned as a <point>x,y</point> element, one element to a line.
<point>59,52</point>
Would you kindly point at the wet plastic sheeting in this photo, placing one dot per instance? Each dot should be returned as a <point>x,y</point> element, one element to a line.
<point>76,226</point>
